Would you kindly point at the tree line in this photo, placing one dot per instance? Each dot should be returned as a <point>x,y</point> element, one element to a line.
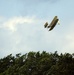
<point>38,63</point>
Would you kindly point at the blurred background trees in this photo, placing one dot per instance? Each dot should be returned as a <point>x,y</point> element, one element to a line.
<point>36,63</point>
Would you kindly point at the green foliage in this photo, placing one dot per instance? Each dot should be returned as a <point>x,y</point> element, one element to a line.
<point>36,63</point>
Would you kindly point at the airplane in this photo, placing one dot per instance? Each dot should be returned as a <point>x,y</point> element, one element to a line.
<point>52,24</point>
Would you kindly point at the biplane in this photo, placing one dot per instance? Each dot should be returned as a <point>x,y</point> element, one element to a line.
<point>52,24</point>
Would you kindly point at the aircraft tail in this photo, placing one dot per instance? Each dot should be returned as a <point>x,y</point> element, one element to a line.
<point>46,24</point>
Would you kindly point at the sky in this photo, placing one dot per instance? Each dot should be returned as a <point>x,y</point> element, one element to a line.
<point>22,26</point>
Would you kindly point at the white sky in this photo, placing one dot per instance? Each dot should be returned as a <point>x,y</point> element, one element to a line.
<point>22,26</point>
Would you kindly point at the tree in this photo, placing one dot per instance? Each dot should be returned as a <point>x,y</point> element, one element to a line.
<point>36,63</point>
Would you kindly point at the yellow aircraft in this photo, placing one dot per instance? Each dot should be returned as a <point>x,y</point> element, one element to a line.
<point>52,24</point>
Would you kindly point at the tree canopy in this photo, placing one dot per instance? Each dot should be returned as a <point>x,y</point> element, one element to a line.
<point>36,63</point>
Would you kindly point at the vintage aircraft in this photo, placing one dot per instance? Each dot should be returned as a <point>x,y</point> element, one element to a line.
<point>52,24</point>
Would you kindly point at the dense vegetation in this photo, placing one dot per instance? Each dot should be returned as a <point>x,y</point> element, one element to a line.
<point>36,63</point>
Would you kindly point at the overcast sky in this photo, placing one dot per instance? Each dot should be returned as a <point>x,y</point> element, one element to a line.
<point>22,26</point>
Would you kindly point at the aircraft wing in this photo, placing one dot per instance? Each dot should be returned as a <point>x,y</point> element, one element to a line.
<point>53,21</point>
<point>53,24</point>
